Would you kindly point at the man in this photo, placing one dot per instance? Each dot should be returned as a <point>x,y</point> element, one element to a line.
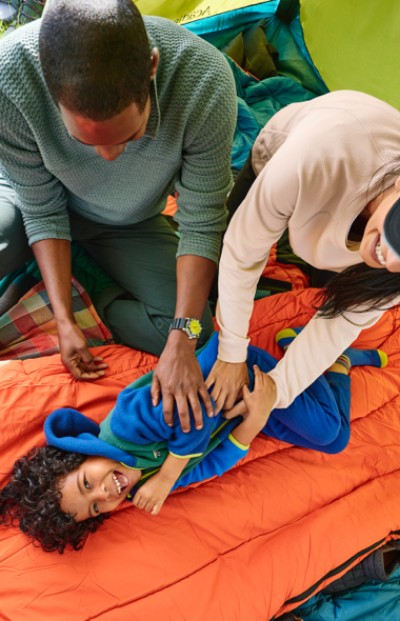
<point>103,115</point>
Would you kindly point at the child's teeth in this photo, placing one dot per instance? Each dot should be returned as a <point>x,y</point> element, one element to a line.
<point>117,483</point>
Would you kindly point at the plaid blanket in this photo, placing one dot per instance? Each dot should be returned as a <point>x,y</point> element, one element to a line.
<point>28,328</point>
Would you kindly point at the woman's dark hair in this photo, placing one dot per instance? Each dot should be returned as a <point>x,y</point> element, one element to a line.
<point>95,56</point>
<point>31,500</point>
<point>359,288</point>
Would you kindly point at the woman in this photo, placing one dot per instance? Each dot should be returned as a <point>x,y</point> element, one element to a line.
<point>328,170</point>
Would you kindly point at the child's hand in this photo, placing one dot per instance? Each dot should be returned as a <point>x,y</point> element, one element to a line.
<point>259,402</point>
<point>152,494</point>
<point>255,407</point>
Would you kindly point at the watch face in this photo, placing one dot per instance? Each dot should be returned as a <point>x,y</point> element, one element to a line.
<point>194,326</point>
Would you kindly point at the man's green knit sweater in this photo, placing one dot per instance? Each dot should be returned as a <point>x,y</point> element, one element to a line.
<point>186,146</point>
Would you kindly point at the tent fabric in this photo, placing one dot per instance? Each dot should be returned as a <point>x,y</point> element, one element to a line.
<point>252,544</point>
<point>355,45</point>
<point>220,21</point>
<point>187,11</point>
<point>352,45</point>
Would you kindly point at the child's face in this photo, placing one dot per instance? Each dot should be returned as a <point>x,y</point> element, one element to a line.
<point>99,485</point>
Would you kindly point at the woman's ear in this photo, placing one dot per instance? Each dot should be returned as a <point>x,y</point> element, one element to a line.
<point>155,57</point>
<point>397,183</point>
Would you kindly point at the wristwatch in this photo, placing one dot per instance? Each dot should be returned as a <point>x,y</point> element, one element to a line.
<point>191,326</point>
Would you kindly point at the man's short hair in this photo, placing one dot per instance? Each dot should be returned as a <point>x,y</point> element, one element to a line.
<point>95,56</point>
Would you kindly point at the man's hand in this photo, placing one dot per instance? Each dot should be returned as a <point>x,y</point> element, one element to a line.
<point>54,259</point>
<point>178,379</point>
<point>75,354</point>
<point>227,380</point>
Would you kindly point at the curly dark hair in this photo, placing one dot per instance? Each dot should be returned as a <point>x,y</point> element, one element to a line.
<point>31,500</point>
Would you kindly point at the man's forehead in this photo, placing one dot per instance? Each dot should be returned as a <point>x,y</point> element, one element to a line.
<point>116,130</point>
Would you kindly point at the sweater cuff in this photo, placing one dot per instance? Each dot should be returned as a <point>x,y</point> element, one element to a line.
<point>185,456</point>
<point>282,400</point>
<point>232,348</point>
<point>242,447</point>
<point>207,247</point>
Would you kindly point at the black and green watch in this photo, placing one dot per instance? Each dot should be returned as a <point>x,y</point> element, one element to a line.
<point>191,326</point>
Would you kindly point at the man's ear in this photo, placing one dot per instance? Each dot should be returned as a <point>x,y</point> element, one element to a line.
<point>155,57</point>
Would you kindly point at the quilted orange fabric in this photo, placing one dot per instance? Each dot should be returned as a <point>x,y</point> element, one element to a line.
<point>248,545</point>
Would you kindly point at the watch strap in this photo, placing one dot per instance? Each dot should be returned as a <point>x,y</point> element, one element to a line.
<point>190,325</point>
<point>179,323</point>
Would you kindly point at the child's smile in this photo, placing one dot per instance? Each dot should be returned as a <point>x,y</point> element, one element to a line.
<point>99,485</point>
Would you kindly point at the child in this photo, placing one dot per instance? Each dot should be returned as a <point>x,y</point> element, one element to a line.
<point>60,493</point>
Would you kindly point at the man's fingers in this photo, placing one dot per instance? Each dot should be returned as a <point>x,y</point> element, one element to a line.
<point>91,375</point>
<point>92,366</point>
<point>168,409</point>
<point>82,370</point>
<point>196,411</point>
<point>206,399</point>
<point>155,392</point>
<point>183,413</point>
<point>74,369</point>
<point>98,363</point>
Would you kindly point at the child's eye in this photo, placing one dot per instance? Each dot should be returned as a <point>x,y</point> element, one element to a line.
<point>86,483</point>
<point>96,508</point>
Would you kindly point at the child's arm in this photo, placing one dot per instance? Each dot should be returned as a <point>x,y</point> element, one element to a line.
<point>258,405</point>
<point>152,494</point>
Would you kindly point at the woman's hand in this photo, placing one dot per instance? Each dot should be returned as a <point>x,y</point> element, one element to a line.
<point>227,380</point>
<point>255,407</point>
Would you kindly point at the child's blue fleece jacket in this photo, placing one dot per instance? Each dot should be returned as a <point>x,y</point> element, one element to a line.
<point>135,433</point>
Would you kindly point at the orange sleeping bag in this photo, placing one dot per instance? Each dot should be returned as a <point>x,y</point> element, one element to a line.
<point>246,546</point>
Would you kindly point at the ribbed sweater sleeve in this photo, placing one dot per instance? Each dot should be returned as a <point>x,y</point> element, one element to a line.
<point>205,178</point>
<point>39,194</point>
<point>186,146</point>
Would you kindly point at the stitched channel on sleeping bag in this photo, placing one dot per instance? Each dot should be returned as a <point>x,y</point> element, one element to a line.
<point>257,541</point>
